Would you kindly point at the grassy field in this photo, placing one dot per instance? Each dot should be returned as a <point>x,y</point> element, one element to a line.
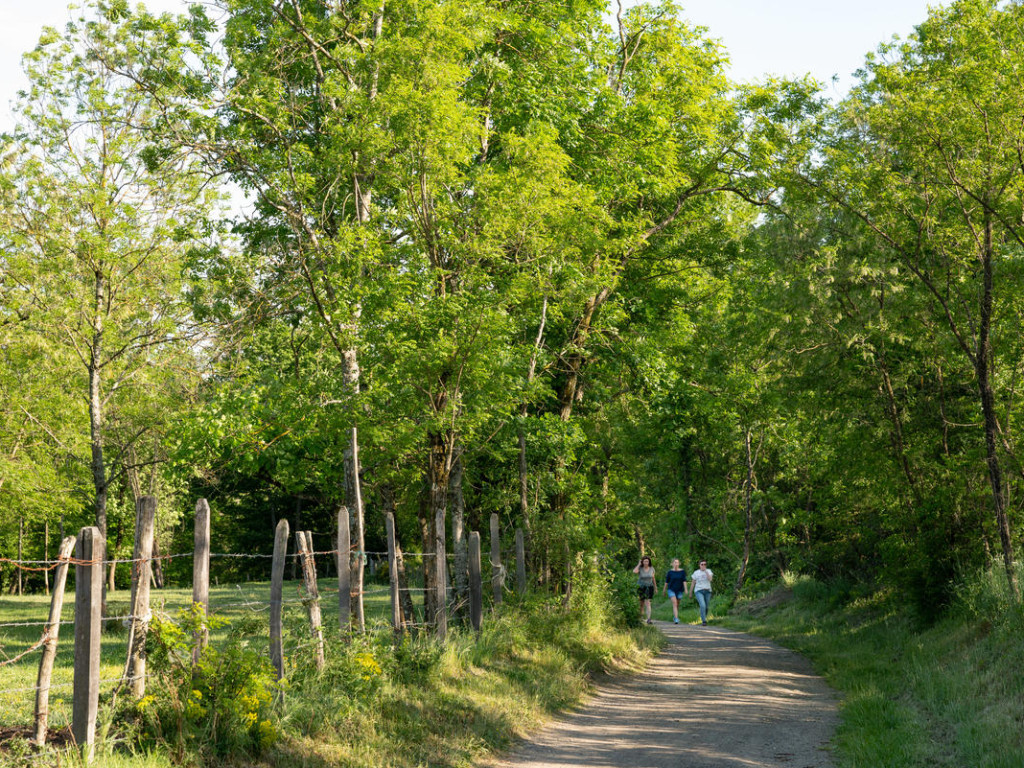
<point>914,696</point>
<point>235,602</point>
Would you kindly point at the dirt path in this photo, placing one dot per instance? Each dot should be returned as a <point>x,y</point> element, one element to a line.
<point>712,699</point>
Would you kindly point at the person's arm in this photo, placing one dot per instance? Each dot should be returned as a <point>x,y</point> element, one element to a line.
<point>637,569</point>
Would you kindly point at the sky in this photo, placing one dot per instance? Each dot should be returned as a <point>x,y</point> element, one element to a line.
<point>780,37</point>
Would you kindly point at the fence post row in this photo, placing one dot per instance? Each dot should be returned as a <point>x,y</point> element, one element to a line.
<point>304,544</point>
<point>51,633</point>
<point>145,523</point>
<point>276,594</point>
<point>476,586</point>
<point>344,572</point>
<point>497,574</point>
<point>396,608</point>
<point>520,562</point>
<point>88,623</point>
<point>201,575</point>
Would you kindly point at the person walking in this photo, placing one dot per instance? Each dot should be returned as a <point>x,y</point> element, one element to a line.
<point>645,586</point>
<point>700,581</point>
<point>675,587</point>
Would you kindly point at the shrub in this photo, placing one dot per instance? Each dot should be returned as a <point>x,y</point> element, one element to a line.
<point>222,705</point>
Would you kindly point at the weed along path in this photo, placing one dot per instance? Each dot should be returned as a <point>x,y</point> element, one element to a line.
<point>713,698</point>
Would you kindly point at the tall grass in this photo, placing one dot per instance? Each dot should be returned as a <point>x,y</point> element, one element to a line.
<point>914,695</point>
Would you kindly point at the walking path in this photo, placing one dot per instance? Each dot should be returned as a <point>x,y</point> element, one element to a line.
<point>713,698</point>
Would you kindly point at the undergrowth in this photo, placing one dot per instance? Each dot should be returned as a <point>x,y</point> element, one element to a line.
<point>914,694</point>
<point>379,701</point>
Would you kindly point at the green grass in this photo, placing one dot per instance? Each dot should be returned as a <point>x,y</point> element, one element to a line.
<point>913,696</point>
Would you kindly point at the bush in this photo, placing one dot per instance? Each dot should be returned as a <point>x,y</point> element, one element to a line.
<point>222,705</point>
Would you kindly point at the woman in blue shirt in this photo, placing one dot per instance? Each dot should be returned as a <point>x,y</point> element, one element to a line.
<point>675,587</point>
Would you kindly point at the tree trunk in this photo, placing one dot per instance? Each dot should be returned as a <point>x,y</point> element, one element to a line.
<point>438,476</point>
<point>748,487</point>
<point>98,465</point>
<point>983,362</point>
<point>460,544</point>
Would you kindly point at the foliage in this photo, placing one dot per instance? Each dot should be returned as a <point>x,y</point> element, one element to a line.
<point>223,705</point>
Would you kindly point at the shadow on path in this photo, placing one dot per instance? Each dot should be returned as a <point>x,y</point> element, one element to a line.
<point>713,698</point>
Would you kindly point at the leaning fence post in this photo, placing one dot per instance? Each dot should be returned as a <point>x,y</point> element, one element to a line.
<point>476,585</point>
<point>396,609</point>
<point>88,626</point>
<point>142,568</point>
<point>201,574</point>
<point>276,594</point>
<point>51,632</point>
<point>520,562</point>
<point>497,574</point>
<point>344,572</point>
<point>304,544</point>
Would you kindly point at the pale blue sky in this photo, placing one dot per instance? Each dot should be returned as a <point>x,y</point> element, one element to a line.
<point>783,37</point>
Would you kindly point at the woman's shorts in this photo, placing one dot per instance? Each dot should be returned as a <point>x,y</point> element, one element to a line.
<point>646,592</point>
<point>676,595</point>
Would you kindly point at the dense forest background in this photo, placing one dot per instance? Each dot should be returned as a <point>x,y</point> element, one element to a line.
<point>536,259</point>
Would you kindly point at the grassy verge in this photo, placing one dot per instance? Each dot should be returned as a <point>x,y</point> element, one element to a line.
<point>376,704</point>
<point>950,694</point>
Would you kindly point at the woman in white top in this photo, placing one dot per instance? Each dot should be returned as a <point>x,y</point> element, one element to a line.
<point>701,585</point>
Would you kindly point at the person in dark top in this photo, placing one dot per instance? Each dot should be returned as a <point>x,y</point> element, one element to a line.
<point>646,586</point>
<point>675,587</point>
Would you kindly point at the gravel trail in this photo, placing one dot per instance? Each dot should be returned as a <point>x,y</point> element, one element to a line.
<point>713,698</point>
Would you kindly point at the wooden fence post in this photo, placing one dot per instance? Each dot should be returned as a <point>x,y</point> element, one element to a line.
<point>51,632</point>
<point>344,572</point>
<point>396,608</point>
<point>497,574</point>
<point>441,566</point>
<point>476,585</point>
<point>304,545</point>
<point>276,595</point>
<point>520,562</point>
<point>201,574</point>
<point>142,568</point>
<point>88,626</point>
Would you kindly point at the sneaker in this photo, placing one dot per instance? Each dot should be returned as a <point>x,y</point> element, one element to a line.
<point>703,623</point>
<point>675,621</point>
<point>649,621</point>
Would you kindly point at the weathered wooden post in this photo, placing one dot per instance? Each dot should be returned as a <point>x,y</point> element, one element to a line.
<point>396,608</point>
<point>441,565</point>
<point>142,568</point>
<point>497,574</point>
<point>51,632</point>
<point>476,585</point>
<point>520,562</point>
<point>304,545</point>
<point>276,597</point>
<point>201,574</point>
<point>344,572</point>
<point>88,628</point>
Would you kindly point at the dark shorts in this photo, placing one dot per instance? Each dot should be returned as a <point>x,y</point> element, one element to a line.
<point>646,592</point>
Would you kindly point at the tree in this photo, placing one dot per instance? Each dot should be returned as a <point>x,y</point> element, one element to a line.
<point>102,215</point>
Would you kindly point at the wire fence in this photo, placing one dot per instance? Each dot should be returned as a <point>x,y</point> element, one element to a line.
<point>407,591</point>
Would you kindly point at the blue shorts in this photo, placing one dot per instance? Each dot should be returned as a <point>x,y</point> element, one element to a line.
<point>676,595</point>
